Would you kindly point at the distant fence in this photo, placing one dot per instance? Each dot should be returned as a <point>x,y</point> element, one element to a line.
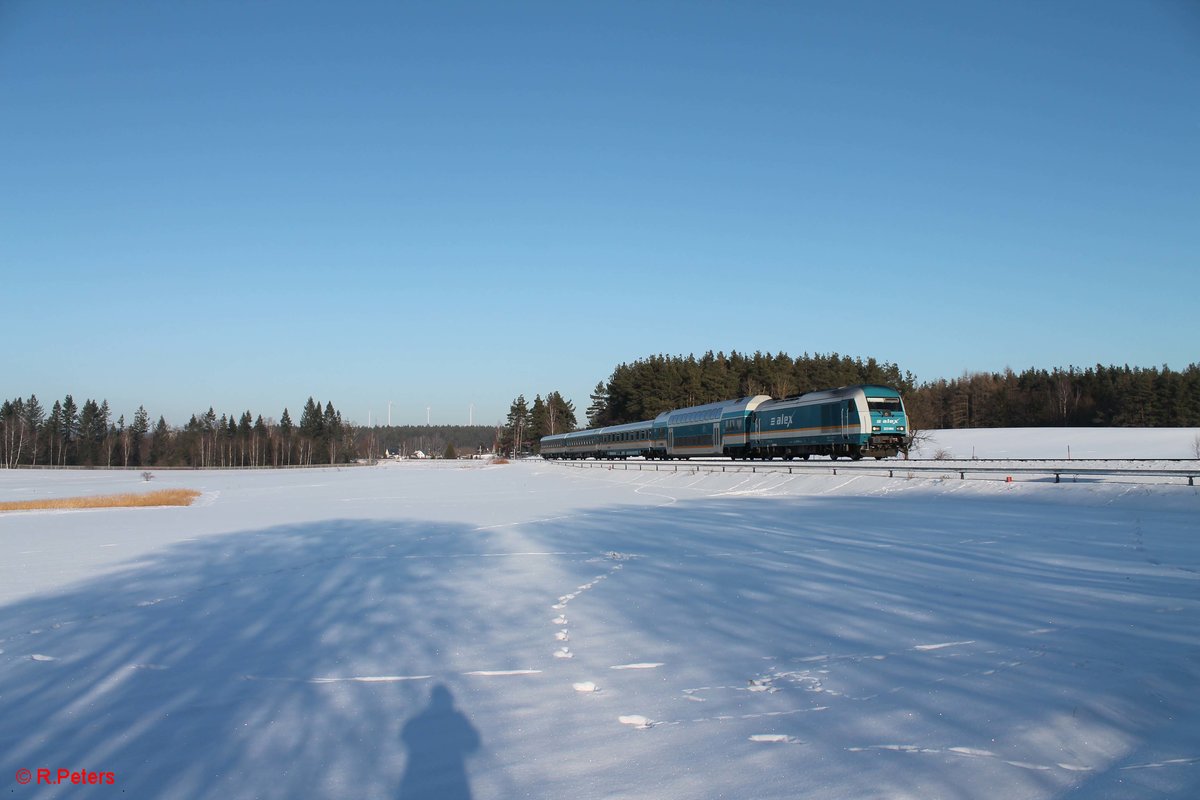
<point>907,470</point>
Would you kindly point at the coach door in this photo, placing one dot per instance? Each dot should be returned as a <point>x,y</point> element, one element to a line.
<point>717,437</point>
<point>846,424</point>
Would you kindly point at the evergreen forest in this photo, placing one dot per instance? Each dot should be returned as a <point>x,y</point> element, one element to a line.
<point>1093,396</point>
<point>69,434</point>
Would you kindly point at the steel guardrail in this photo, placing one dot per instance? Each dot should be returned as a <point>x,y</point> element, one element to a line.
<point>903,470</point>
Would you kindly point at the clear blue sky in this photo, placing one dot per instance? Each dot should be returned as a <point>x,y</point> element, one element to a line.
<point>241,204</point>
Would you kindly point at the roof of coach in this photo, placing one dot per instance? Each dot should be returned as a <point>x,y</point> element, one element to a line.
<point>712,410</point>
<point>628,426</point>
<point>735,408</point>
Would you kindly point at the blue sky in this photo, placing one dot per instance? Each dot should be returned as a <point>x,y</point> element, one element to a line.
<point>444,204</point>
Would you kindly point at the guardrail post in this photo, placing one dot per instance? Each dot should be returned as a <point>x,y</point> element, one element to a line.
<point>1057,476</point>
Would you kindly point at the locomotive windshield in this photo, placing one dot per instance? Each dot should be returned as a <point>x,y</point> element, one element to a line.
<point>884,404</point>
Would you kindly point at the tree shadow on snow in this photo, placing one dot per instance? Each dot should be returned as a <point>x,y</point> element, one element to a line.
<point>273,663</point>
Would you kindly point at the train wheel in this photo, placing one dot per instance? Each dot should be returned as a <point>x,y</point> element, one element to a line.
<point>833,456</point>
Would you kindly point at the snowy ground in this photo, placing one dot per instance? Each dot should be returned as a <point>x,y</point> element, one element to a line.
<point>453,631</point>
<point>1063,443</point>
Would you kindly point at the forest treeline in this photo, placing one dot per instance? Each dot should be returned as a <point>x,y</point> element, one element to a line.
<point>645,388</point>
<point>432,440</point>
<point>1093,396</point>
<point>71,434</point>
<point>1099,396</point>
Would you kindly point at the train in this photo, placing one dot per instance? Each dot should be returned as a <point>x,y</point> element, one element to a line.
<point>851,422</point>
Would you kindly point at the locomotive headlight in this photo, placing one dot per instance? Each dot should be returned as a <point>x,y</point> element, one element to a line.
<point>899,427</point>
<point>875,428</point>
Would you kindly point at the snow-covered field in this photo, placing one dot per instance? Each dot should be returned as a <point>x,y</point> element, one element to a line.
<point>460,630</point>
<point>1063,443</point>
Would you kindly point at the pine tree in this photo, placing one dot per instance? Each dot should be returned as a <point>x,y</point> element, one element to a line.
<point>539,422</point>
<point>108,432</point>
<point>285,439</point>
<point>37,418</point>
<point>310,430</point>
<point>245,429</point>
<point>89,432</point>
<point>331,428</point>
<point>516,432</point>
<point>69,429</point>
<point>137,436</point>
<point>54,431</point>
<point>561,413</point>
<point>160,442</point>
<point>598,411</point>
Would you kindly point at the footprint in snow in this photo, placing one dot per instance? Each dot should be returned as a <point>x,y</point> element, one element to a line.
<point>636,720</point>
<point>562,636</point>
<point>585,687</point>
<point>40,657</point>
<point>563,652</point>
<point>559,620</point>
<point>774,738</point>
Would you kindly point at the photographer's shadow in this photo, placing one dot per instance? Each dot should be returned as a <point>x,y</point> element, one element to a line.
<point>438,740</point>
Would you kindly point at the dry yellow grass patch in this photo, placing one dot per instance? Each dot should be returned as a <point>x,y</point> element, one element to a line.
<point>163,497</point>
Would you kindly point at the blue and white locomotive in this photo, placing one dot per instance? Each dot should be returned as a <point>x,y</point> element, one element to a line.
<point>852,421</point>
